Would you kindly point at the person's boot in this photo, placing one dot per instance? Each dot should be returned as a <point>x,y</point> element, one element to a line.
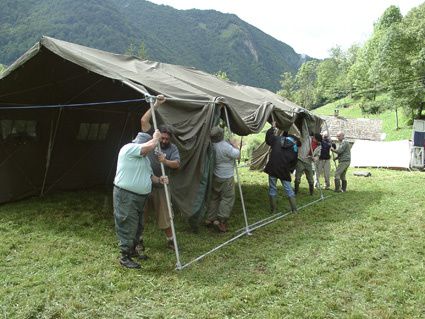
<point>273,204</point>
<point>297,187</point>
<point>127,262</point>
<point>344,186</point>
<point>293,204</point>
<point>311,188</point>
<point>137,253</point>
<point>337,186</point>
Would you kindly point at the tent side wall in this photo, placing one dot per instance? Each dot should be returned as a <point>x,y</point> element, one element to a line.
<point>47,149</point>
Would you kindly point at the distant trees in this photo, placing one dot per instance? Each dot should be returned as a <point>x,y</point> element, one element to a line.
<point>391,61</point>
<point>222,75</point>
<point>138,51</point>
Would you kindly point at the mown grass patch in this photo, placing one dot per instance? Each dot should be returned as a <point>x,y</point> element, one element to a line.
<point>356,255</point>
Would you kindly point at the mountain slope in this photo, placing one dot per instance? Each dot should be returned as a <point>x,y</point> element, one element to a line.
<point>205,39</point>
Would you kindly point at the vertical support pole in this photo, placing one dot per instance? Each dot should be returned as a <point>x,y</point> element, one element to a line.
<point>50,149</point>
<point>239,182</point>
<point>150,99</point>
<point>167,192</point>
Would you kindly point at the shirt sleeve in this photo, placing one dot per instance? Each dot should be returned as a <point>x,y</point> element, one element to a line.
<point>134,150</point>
<point>175,155</point>
<point>270,136</point>
<point>232,152</point>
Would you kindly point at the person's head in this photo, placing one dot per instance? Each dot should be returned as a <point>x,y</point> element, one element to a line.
<point>325,136</point>
<point>216,134</point>
<point>165,136</point>
<point>340,136</point>
<point>318,137</point>
<point>141,138</point>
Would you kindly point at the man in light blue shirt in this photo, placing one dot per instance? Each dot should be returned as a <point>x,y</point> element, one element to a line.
<point>132,185</point>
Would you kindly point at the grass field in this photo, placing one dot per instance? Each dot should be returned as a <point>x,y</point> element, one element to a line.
<point>358,254</point>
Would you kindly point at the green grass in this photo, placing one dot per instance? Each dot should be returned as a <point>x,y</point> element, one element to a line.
<point>354,255</point>
<point>404,132</point>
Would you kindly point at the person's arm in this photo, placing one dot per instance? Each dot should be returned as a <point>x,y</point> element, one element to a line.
<point>159,179</point>
<point>342,148</point>
<point>169,163</point>
<point>233,151</point>
<point>270,134</point>
<point>150,145</point>
<point>146,118</point>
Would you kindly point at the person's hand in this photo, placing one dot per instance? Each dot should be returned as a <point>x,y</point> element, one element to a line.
<point>156,135</point>
<point>161,157</point>
<point>159,100</point>
<point>163,179</point>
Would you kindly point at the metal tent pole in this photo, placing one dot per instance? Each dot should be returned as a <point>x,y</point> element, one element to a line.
<point>151,100</point>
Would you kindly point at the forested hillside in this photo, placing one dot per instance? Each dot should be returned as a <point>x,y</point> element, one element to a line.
<point>208,40</point>
<point>386,73</point>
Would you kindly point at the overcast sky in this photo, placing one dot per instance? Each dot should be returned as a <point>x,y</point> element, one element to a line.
<point>309,26</point>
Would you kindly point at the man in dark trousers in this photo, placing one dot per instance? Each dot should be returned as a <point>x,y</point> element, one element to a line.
<point>282,162</point>
<point>132,185</point>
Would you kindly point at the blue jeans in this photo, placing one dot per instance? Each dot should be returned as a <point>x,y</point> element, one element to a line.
<point>286,187</point>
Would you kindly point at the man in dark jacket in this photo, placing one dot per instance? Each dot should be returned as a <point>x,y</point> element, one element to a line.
<point>282,162</point>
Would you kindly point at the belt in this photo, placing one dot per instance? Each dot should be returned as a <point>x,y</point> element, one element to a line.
<point>125,190</point>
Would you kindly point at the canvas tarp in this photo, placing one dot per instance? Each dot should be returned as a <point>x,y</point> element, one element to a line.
<point>57,72</point>
<point>395,154</point>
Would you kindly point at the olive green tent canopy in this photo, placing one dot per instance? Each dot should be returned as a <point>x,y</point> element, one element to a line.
<point>66,109</point>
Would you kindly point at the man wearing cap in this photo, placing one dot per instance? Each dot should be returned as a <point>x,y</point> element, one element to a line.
<point>223,185</point>
<point>169,156</point>
<point>132,185</point>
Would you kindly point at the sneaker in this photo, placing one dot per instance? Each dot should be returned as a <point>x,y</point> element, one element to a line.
<point>127,262</point>
<point>170,244</point>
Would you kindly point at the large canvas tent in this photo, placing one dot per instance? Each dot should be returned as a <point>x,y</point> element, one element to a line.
<point>66,109</point>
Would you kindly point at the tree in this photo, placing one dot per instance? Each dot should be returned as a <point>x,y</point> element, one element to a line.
<point>287,83</point>
<point>402,56</point>
<point>141,52</point>
<point>306,84</point>
<point>222,75</point>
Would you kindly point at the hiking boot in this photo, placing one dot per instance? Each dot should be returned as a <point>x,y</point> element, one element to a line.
<point>139,255</point>
<point>337,186</point>
<point>127,262</point>
<point>344,186</point>
<point>293,204</point>
<point>273,204</point>
<point>220,226</point>
<point>170,244</point>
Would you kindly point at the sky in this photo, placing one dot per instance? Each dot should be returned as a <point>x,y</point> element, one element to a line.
<point>311,27</point>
